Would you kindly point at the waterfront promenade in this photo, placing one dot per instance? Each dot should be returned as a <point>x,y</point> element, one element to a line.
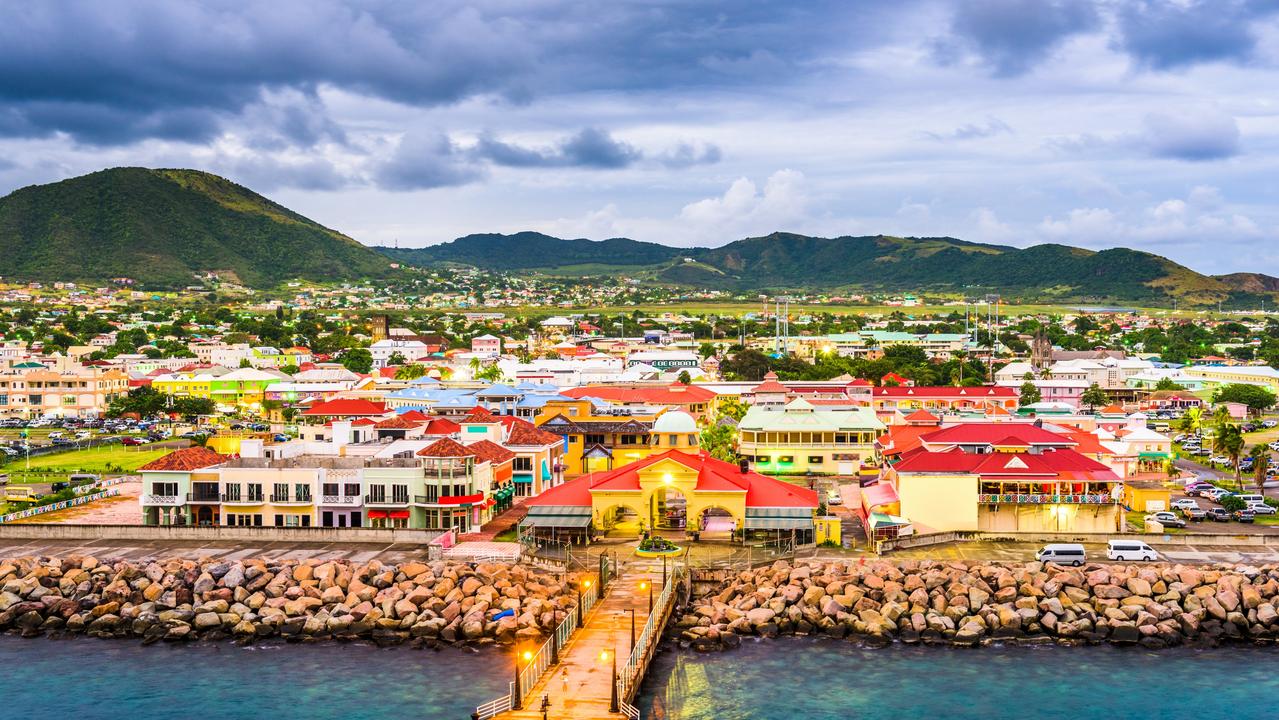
<point>580,686</point>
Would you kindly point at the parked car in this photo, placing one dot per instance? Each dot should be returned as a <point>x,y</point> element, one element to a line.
<point>1196,514</point>
<point>133,441</point>
<point>1245,515</point>
<point>1262,509</point>
<point>1184,504</point>
<point>1218,514</point>
<point>1130,550</point>
<point>1269,423</point>
<point>1219,459</point>
<point>834,498</point>
<point>1063,554</point>
<point>1166,519</point>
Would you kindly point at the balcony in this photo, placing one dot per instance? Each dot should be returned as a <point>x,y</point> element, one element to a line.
<point>202,497</point>
<point>285,499</point>
<point>384,502</point>
<point>339,499</point>
<point>162,500</point>
<point>246,500</point>
<point>1045,499</point>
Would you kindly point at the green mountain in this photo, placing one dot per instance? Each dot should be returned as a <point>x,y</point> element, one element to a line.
<point>162,227</point>
<point>533,250</point>
<point>787,261</point>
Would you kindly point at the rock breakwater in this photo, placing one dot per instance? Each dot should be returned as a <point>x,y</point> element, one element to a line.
<point>179,600</point>
<point>967,604</point>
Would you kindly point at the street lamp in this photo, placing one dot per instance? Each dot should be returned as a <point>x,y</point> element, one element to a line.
<point>632,612</point>
<point>613,704</point>
<point>527,657</point>
<point>586,584</point>
<point>646,585</point>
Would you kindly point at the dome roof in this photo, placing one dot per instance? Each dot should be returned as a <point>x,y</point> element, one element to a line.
<point>674,421</point>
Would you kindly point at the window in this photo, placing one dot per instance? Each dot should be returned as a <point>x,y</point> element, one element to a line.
<point>692,439</point>
<point>786,459</point>
<point>814,459</point>
<point>233,493</point>
<point>351,489</point>
<point>763,459</point>
<point>280,492</point>
<point>329,489</point>
<point>255,492</point>
<point>377,493</point>
<point>672,440</point>
<point>302,492</point>
<point>164,488</point>
<point>432,494</point>
<point>279,521</point>
<point>400,493</point>
<point>594,439</point>
<point>525,464</point>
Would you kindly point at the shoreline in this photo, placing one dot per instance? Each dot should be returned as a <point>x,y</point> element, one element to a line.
<point>423,604</point>
<point>960,604</point>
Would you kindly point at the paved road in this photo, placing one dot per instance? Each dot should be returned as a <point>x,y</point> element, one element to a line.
<point>1022,552</point>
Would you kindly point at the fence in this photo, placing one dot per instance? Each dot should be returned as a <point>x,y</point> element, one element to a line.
<point>636,664</point>
<point>543,658</point>
<point>82,500</point>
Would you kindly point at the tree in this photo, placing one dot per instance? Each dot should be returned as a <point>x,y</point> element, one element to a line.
<point>684,378</point>
<point>410,372</point>
<point>1167,384</point>
<point>720,441</point>
<point>244,363</point>
<point>1256,397</point>
<point>357,360</point>
<point>1230,443</point>
<point>733,408</point>
<point>1093,397</point>
<point>490,373</point>
<point>1029,393</point>
<point>706,349</point>
<point>1260,455</point>
<point>396,358</point>
<point>1191,421</point>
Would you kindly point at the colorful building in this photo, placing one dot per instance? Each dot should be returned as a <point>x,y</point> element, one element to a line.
<point>800,438</point>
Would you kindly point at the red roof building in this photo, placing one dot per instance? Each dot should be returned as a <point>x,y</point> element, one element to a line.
<point>185,460</point>
<point>346,408</point>
<point>694,400</point>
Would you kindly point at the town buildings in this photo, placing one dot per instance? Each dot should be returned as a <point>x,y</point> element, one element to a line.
<point>801,438</point>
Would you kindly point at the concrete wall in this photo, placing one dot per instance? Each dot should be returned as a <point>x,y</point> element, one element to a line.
<point>141,533</point>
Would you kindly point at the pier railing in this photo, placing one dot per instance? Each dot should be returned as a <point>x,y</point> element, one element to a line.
<point>542,658</point>
<point>629,674</point>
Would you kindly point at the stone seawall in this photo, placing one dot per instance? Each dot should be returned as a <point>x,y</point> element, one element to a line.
<point>966,604</point>
<point>419,602</point>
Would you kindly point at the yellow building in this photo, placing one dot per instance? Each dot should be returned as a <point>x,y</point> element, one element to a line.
<point>596,443</point>
<point>1005,489</point>
<point>676,489</point>
<point>267,496</point>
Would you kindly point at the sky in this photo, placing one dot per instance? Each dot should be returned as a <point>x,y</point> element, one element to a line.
<point>1150,124</point>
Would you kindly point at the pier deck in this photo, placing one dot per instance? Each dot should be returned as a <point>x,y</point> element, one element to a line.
<point>580,686</point>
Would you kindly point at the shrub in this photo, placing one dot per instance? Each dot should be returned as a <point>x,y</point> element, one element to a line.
<point>1232,503</point>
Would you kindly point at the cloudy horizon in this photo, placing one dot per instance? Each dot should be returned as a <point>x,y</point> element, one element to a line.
<point>1094,123</point>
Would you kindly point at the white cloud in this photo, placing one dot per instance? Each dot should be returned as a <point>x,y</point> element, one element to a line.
<point>745,210</point>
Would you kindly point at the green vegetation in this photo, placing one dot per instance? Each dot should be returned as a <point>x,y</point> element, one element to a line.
<point>146,401</point>
<point>102,459</point>
<point>162,227</point>
<point>788,261</point>
<point>1256,397</point>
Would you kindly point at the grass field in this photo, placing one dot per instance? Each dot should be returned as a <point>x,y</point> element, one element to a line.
<point>739,308</point>
<point>110,458</point>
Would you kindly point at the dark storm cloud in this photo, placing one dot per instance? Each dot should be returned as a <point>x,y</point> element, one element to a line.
<point>111,73</point>
<point>1165,35</point>
<point>591,148</point>
<point>426,160</point>
<point>1011,36</point>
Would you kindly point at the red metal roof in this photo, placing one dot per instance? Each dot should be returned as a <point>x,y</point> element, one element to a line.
<point>1054,465</point>
<point>522,433</point>
<point>441,426</point>
<point>674,394</point>
<point>946,391</point>
<point>993,433</point>
<point>346,407</point>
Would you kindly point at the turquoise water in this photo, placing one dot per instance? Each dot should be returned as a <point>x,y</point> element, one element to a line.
<point>91,679</point>
<point>797,678</point>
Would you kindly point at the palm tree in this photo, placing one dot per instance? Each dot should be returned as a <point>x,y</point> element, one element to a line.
<point>1260,455</point>
<point>410,372</point>
<point>1191,421</point>
<point>1230,443</point>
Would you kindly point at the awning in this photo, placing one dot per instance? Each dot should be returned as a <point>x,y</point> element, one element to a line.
<point>522,478</point>
<point>881,494</point>
<point>396,514</point>
<point>779,519</point>
<point>490,503</point>
<point>880,519</point>
<point>562,521</point>
<point>461,499</point>
<point>376,514</point>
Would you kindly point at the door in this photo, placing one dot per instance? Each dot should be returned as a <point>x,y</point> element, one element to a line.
<point>355,519</point>
<point>326,518</point>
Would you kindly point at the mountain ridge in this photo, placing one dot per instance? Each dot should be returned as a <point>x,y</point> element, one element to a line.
<point>782,260</point>
<point>163,227</point>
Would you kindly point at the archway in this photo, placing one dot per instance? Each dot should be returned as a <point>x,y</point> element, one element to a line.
<point>714,523</point>
<point>668,509</point>
<point>618,520</point>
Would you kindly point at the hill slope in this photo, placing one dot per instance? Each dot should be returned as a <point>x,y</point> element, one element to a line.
<point>788,261</point>
<point>160,227</point>
<point>529,250</point>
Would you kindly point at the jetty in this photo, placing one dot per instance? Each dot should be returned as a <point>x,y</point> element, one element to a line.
<point>593,664</point>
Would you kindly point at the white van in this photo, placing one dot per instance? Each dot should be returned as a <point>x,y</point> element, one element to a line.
<point>1130,550</point>
<point>1252,499</point>
<point>1063,554</point>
